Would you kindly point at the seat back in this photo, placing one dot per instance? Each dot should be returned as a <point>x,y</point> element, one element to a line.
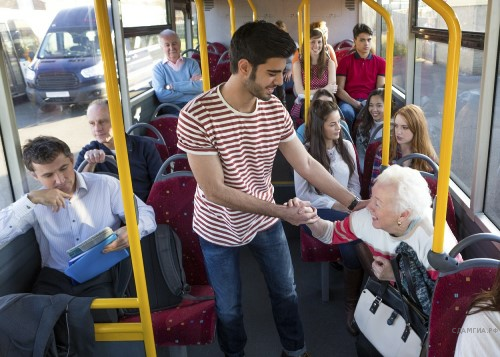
<point>453,295</point>
<point>172,199</point>
<point>313,250</point>
<point>167,126</point>
<point>155,136</point>
<point>432,178</point>
<point>219,47</point>
<point>222,69</point>
<point>365,179</point>
<point>21,264</point>
<point>177,162</point>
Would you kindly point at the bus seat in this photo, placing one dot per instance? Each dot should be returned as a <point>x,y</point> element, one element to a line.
<point>222,70</point>
<point>313,250</point>
<point>177,162</point>
<point>219,47</point>
<point>193,321</point>
<point>347,43</point>
<point>453,295</point>
<point>432,179</point>
<point>213,58</point>
<point>366,177</point>
<point>153,134</point>
<point>21,264</point>
<point>167,126</point>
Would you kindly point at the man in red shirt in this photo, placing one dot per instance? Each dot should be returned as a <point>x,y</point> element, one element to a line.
<point>358,74</point>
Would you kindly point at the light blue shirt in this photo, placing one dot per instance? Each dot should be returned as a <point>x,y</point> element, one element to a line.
<point>184,88</point>
<point>96,203</point>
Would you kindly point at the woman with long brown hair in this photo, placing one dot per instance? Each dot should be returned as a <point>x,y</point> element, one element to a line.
<point>409,135</point>
<point>325,143</point>
<point>322,73</point>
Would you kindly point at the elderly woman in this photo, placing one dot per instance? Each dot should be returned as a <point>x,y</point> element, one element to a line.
<point>399,211</point>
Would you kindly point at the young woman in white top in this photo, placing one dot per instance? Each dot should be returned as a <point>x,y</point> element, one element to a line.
<point>325,144</point>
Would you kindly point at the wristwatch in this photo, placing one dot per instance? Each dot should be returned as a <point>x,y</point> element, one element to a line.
<point>353,204</point>
<point>169,87</point>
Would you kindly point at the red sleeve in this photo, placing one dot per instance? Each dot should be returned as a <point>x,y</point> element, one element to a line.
<point>381,67</point>
<point>342,232</point>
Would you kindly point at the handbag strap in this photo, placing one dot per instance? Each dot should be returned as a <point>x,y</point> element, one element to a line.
<point>398,287</point>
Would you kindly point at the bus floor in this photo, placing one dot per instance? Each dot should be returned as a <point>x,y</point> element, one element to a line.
<point>324,323</point>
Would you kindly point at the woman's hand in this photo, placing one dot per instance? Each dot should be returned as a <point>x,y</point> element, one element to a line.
<point>382,269</point>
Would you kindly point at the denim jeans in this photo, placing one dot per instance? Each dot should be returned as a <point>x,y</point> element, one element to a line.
<point>347,250</point>
<point>270,249</point>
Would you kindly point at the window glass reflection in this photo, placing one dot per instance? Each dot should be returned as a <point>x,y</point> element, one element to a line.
<point>471,15</point>
<point>430,74</point>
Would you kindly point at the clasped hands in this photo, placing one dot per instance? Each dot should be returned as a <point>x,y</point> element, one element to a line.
<point>300,212</point>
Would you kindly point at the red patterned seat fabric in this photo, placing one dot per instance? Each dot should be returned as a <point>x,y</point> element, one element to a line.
<point>190,323</point>
<point>452,297</point>
<point>167,126</point>
<point>193,321</point>
<point>313,250</point>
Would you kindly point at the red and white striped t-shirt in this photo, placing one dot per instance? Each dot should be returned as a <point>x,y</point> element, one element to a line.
<point>246,144</point>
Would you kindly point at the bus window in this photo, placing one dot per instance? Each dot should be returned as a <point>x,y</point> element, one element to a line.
<point>6,197</point>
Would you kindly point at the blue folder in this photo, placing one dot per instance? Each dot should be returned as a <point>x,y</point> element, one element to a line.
<point>93,262</point>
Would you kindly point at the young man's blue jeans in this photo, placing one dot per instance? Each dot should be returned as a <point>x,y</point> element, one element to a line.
<point>270,249</point>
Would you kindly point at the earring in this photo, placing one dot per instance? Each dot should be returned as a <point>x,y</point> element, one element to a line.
<point>399,222</point>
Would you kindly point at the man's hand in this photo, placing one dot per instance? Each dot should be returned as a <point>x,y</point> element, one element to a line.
<point>120,243</point>
<point>95,156</point>
<point>299,212</point>
<point>196,77</point>
<point>51,198</point>
<point>382,269</point>
<point>361,204</point>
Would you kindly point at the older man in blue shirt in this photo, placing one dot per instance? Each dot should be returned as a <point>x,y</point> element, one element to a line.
<point>176,79</point>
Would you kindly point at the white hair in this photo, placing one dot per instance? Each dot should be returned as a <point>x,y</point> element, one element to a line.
<point>411,190</point>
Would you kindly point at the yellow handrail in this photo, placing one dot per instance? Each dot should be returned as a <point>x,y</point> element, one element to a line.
<point>450,101</point>
<point>145,332</point>
<point>254,10</point>
<point>389,60</point>
<point>304,24</point>
<point>232,16</point>
<point>202,37</point>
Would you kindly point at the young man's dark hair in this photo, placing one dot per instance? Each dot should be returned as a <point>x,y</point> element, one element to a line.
<point>247,43</point>
<point>43,150</point>
<point>361,28</point>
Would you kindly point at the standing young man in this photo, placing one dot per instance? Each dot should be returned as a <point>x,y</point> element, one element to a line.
<point>358,74</point>
<point>231,134</point>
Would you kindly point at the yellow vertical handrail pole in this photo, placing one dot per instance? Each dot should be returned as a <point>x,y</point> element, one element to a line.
<point>202,37</point>
<point>254,10</point>
<point>389,60</point>
<point>104,34</point>
<point>448,127</point>
<point>307,58</point>
<point>232,16</point>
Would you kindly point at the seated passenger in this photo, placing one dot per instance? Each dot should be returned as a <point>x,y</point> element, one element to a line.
<point>399,211</point>
<point>322,74</point>
<point>176,79</point>
<point>409,135</point>
<point>325,143</point>
<point>480,333</point>
<point>70,208</point>
<point>370,119</point>
<point>321,94</point>
<point>280,91</point>
<point>143,156</point>
<point>358,74</point>
<point>329,49</point>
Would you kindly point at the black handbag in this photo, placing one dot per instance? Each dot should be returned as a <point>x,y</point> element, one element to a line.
<point>393,324</point>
